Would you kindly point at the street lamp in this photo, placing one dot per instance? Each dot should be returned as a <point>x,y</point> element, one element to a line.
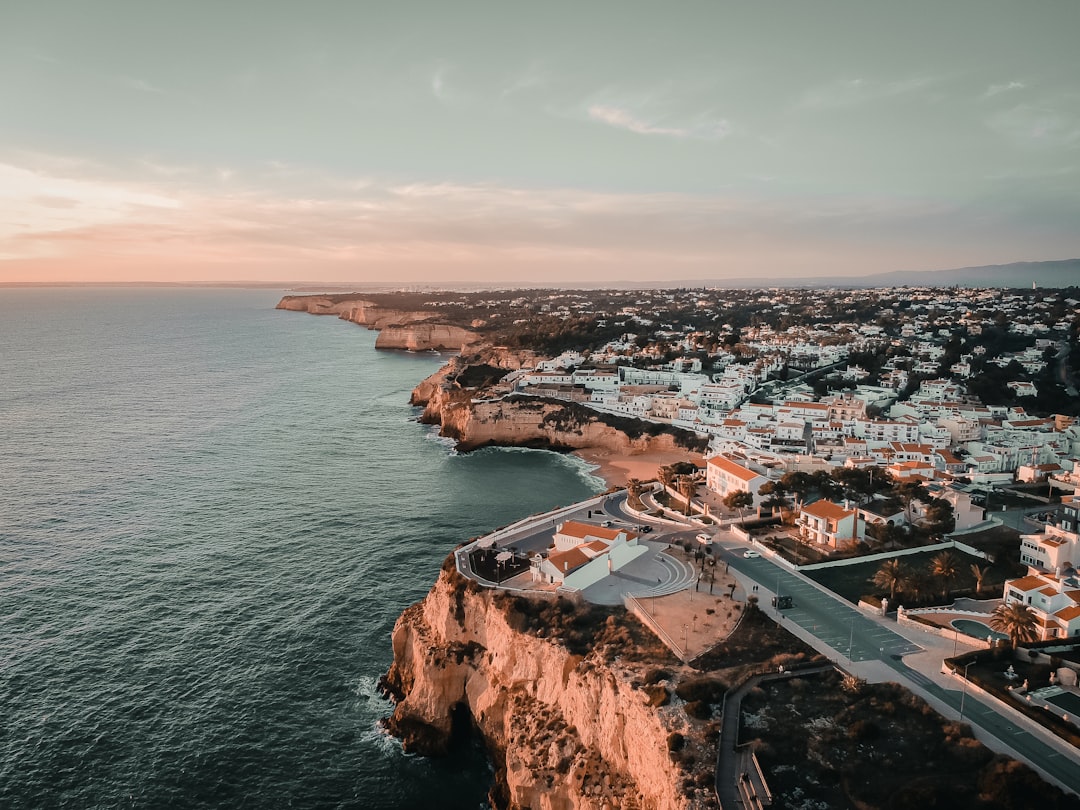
<point>964,693</point>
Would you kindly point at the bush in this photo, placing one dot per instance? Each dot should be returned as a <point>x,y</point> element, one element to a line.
<point>675,741</point>
<point>699,710</point>
<point>654,676</point>
<point>705,690</point>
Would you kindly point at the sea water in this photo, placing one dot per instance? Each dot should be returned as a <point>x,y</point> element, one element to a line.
<point>211,514</point>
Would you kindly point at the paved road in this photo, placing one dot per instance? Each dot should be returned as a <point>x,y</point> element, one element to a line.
<point>869,648</point>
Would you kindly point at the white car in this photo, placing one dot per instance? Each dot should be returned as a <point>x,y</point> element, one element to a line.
<point>750,554</point>
<point>705,538</point>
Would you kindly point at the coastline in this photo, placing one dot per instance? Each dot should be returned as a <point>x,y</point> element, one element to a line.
<point>616,468</point>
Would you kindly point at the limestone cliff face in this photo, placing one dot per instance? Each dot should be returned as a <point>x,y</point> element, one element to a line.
<point>424,336</point>
<point>522,422</point>
<point>413,330</point>
<point>566,732</point>
<point>364,313</point>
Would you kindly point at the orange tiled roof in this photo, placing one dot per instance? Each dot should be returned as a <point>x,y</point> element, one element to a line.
<point>729,466</point>
<point>1069,613</point>
<point>576,528</point>
<point>567,561</point>
<point>1028,583</point>
<point>827,510</point>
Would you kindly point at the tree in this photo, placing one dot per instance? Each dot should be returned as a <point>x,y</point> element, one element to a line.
<point>634,488</point>
<point>909,491</point>
<point>893,575</point>
<point>1016,620</point>
<point>919,587</point>
<point>979,572</point>
<point>774,495</point>
<point>740,500</point>
<point>940,516</point>
<point>665,475</point>
<point>945,568</point>
<point>798,484</point>
<point>687,488</point>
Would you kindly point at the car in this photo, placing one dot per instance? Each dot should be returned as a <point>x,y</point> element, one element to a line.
<point>644,528</point>
<point>607,524</point>
<point>750,554</point>
<point>704,538</point>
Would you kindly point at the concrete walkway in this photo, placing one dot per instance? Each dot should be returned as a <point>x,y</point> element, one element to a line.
<point>735,774</point>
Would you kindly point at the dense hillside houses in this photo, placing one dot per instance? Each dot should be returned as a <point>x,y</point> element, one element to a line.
<point>957,390</point>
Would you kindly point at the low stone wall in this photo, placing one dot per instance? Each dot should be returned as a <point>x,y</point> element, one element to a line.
<point>943,632</point>
<point>888,555</point>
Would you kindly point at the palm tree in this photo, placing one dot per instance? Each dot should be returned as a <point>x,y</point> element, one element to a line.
<point>909,491</point>
<point>634,488</point>
<point>919,586</point>
<point>945,568</point>
<point>893,575</point>
<point>665,475</point>
<point>979,572</point>
<point>687,488</point>
<point>1016,620</point>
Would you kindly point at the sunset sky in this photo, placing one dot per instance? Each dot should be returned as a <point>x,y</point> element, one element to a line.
<point>551,142</point>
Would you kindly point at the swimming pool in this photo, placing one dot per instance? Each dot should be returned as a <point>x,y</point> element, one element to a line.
<point>1066,701</point>
<point>970,627</point>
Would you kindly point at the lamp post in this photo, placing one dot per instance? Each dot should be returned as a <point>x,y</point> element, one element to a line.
<point>964,693</point>
<point>850,639</point>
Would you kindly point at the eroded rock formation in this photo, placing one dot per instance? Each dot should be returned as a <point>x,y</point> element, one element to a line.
<point>418,337</point>
<point>521,421</point>
<point>413,330</point>
<point>565,732</point>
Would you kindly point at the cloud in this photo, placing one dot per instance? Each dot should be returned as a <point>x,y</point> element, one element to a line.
<point>1041,125</point>
<point>852,92</point>
<point>141,85</point>
<point>382,230</point>
<point>38,203</point>
<point>532,78</point>
<point>998,89</point>
<point>621,118</point>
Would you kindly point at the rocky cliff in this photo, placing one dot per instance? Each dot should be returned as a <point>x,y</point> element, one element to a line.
<point>519,421</point>
<point>565,731</point>
<point>359,311</point>
<point>413,330</point>
<point>418,337</point>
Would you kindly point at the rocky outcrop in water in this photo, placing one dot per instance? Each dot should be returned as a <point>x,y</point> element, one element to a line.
<point>565,731</point>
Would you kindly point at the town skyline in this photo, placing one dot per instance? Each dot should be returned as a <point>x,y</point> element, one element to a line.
<point>544,146</point>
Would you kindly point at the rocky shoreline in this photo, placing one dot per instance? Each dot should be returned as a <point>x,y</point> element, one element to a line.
<point>565,731</point>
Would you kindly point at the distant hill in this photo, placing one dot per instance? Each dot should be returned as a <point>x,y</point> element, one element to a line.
<point>1062,273</point>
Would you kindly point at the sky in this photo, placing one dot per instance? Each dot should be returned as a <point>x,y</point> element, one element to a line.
<point>554,142</point>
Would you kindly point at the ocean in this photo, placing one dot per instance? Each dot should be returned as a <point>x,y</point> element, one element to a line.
<point>211,514</point>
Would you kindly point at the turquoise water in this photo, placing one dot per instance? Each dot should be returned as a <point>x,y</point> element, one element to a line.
<point>211,513</point>
<point>976,629</point>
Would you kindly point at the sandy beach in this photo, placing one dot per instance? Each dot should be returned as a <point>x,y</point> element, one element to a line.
<point>617,468</point>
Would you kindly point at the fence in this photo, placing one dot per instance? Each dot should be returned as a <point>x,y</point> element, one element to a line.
<point>635,607</point>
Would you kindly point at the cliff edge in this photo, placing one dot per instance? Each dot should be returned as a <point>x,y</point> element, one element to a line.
<point>412,330</point>
<point>484,415</point>
<point>567,729</point>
